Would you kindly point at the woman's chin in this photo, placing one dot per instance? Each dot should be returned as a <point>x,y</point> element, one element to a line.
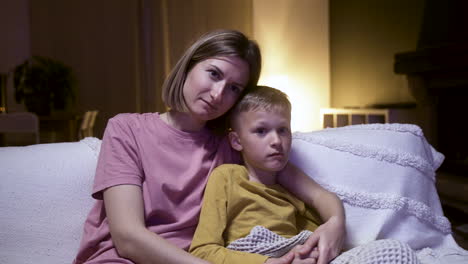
<point>204,116</point>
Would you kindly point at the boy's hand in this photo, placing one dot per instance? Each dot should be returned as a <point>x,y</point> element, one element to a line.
<point>329,238</point>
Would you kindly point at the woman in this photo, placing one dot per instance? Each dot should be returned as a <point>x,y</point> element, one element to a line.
<point>152,168</point>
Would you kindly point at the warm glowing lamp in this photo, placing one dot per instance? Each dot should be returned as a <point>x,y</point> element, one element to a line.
<point>304,116</point>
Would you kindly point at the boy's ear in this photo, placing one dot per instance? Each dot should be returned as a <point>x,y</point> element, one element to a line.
<point>235,141</point>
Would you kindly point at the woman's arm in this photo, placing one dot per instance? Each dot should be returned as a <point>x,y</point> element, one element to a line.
<point>125,212</point>
<point>328,237</point>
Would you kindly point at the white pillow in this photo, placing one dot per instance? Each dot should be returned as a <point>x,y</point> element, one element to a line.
<point>385,175</point>
<point>45,196</point>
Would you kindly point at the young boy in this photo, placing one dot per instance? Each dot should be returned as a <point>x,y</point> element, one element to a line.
<point>246,216</point>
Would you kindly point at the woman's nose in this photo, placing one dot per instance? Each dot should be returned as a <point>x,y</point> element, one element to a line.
<point>216,92</point>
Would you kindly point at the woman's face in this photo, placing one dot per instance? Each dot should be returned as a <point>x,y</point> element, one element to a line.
<point>214,85</point>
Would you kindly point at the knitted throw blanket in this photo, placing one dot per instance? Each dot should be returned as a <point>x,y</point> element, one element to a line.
<point>379,251</point>
<point>262,241</point>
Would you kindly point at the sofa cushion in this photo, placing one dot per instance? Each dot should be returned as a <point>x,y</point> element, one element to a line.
<point>44,200</point>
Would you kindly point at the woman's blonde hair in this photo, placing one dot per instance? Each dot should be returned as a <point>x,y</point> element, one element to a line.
<point>213,44</point>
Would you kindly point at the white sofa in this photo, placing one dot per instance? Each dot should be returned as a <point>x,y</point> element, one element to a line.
<point>384,174</point>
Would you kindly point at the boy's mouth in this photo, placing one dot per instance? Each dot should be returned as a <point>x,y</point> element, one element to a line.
<point>276,154</point>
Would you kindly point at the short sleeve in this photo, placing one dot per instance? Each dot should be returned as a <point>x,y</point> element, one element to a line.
<point>119,159</point>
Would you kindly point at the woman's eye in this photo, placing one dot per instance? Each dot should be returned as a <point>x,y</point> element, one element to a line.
<point>213,73</point>
<point>236,89</point>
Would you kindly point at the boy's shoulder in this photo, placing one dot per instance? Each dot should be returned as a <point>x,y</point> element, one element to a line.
<point>228,173</point>
<point>228,167</point>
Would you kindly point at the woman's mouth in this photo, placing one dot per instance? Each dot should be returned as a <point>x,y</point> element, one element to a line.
<point>209,104</point>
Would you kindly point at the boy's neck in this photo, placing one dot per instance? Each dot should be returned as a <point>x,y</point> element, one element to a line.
<point>261,176</point>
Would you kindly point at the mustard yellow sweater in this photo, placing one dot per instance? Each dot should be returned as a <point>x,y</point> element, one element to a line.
<point>233,205</point>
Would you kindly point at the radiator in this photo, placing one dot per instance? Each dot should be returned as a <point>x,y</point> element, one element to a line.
<point>338,117</point>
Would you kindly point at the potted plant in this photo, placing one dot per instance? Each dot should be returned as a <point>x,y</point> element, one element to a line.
<point>44,84</point>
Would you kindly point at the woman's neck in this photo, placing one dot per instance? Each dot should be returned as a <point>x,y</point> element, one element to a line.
<point>182,121</point>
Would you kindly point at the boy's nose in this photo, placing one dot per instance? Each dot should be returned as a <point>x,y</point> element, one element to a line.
<point>275,139</point>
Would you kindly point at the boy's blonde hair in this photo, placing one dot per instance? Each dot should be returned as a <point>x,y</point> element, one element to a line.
<point>260,98</point>
<point>220,43</point>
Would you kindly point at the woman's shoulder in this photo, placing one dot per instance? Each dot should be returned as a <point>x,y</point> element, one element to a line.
<point>133,121</point>
<point>131,125</point>
<point>133,118</point>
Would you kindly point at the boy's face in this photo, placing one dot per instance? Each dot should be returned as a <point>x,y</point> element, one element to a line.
<point>264,138</point>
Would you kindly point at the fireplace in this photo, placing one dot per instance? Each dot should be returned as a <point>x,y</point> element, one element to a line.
<point>437,73</point>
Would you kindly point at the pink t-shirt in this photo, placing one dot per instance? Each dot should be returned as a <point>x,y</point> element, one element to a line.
<point>170,165</point>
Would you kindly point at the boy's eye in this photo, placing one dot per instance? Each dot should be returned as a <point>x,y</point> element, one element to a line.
<point>283,130</point>
<point>260,131</point>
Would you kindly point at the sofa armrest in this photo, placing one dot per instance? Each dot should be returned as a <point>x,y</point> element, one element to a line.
<point>45,196</point>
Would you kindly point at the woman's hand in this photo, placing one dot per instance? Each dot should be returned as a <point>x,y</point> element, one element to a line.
<point>310,258</point>
<point>328,238</point>
<point>285,259</point>
<point>294,257</point>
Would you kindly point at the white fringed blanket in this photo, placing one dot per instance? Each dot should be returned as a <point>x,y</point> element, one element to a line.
<point>385,175</point>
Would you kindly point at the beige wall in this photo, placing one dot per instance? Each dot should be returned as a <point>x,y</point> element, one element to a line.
<point>364,37</point>
<point>294,38</point>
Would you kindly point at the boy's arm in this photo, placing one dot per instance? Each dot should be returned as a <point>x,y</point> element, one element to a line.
<point>208,242</point>
<point>328,237</point>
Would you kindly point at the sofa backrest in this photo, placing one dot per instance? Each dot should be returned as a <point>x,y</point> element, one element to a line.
<point>45,196</point>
